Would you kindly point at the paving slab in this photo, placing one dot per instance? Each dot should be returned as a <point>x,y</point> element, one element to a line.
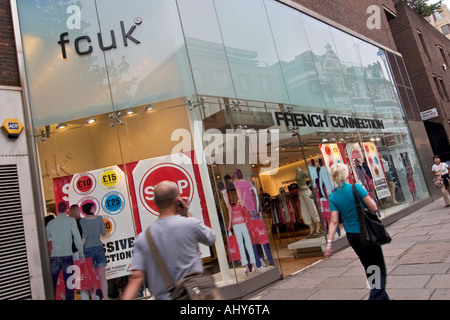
<point>426,253</point>
<point>324,272</point>
<point>343,283</point>
<point>339,294</point>
<point>303,282</point>
<point>413,269</point>
<point>441,281</point>
<point>417,261</point>
<point>290,294</point>
<point>408,281</point>
<point>416,294</point>
<point>440,294</point>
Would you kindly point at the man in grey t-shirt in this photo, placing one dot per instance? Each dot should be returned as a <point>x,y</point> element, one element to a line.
<point>176,235</point>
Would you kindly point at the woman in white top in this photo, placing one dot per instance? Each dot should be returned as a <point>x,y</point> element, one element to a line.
<point>440,169</point>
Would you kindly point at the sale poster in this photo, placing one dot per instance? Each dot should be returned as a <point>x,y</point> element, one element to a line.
<point>376,169</point>
<point>331,154</point>
<point>106,189</point>
<point>354,152</point>
<point>147,173</point>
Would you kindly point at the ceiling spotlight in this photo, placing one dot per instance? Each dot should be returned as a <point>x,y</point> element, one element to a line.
<point>148,108</point>
<point>61,125</point>
<point>129,111</point>
<point>90,120</point>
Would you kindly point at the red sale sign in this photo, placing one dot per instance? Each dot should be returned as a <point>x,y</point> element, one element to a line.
<point>61,190</point>
<point>146,174</point>
<point>160,172</point>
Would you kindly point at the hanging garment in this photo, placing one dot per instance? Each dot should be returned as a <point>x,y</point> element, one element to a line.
<point>284,207</point>
<point>290,209</point>
<point>294,203</point>
<point>313,175</point>
<point>325,179</point>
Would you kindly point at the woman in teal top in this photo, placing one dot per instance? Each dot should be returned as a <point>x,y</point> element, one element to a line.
<point>342,202</point>
<point>92,227</point>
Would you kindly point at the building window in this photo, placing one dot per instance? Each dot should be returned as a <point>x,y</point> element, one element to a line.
<point>439,87</point>
<point>437,16</point>
<point>443,57</point>
<point>445,29</point>
<point>424,46</point>
<point>444,89</point>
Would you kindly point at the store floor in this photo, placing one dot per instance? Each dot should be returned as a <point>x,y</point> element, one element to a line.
<point>290,266</point>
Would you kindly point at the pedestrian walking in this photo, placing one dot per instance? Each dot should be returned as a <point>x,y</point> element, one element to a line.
<point>176,235</point>
<point>440,170</point>
<point>342,203</point>
<point>61,232</point>
<point>93,227</point>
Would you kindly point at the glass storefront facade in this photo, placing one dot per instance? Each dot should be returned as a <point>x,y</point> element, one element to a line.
<point>125,93</point>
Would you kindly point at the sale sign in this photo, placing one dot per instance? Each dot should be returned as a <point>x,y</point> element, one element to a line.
<point>161,172</point>
<point>331,154</point>
<point>148,173</point>
<point>106,189</point>
<point>376,169</point>
<point>61,189</point>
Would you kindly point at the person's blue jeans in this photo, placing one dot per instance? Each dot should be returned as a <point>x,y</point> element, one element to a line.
<point>58,264</point>
<point>371,257</point>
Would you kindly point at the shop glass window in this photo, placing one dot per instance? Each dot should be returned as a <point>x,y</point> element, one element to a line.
<point>328,65</point>
<point>250,49</point>
<point>205,47</point>
<point>296,59</point>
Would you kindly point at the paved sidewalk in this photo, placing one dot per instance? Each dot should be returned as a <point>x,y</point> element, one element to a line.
<point>417,262</point>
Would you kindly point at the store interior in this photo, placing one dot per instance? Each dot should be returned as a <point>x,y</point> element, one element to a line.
<point>289,243</point>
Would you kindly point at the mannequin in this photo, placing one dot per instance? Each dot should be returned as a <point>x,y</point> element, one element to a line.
<point>237,221</point>
<point>308,209</point>
<point>390,181</point>
<point>248,199</point>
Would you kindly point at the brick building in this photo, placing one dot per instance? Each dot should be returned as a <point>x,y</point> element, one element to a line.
<point>9,70</point>
<point>426,53</point>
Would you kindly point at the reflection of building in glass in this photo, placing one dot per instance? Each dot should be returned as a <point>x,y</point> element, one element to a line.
<point>426,55</point>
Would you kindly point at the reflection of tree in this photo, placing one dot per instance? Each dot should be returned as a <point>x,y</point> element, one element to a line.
<point>115,74</point>
<point>93,75</point>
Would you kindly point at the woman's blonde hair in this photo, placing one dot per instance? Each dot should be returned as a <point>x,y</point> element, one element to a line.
<point>339,173</point>
<point>74,211</point>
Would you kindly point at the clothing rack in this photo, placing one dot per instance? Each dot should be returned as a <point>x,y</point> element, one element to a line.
<point>286,217</point>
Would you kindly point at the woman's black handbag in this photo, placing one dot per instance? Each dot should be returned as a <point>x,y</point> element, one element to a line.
<point>372,229</point>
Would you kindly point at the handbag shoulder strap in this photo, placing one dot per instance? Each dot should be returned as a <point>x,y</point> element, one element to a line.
<point>357,200</point>
<point>159,261</point>
<point>362,225</point>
